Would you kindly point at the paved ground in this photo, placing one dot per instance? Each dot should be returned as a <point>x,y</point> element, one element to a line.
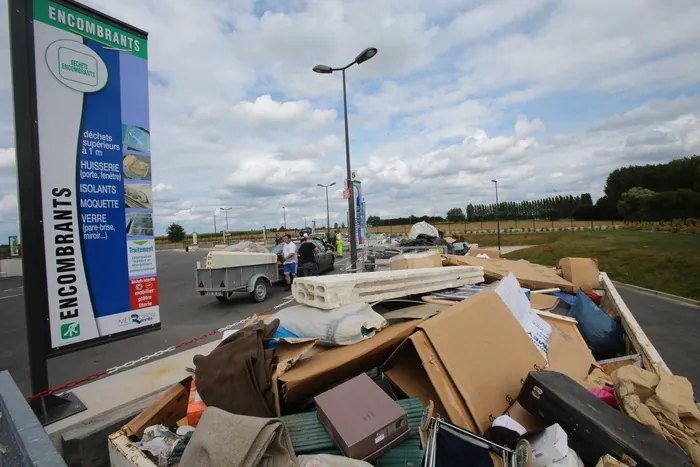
<point>184,315</point>
<point>674,329</point>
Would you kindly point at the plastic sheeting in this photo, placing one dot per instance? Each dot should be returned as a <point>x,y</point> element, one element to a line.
<point>423,228</point>
<point>247,246</point>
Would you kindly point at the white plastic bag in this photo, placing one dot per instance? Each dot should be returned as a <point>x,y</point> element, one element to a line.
<point>345,325</point>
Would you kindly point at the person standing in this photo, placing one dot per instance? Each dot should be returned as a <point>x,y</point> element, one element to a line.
<point>339,243</point>
<point>289,252</point>
<point>307,258</point>
<point>278,239</point>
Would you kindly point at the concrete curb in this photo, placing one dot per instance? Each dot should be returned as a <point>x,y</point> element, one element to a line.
<point>689,301</point>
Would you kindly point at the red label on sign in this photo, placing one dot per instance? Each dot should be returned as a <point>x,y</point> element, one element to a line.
<point>144,292</point>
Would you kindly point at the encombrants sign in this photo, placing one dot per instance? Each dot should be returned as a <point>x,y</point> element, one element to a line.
<point>94,163</point>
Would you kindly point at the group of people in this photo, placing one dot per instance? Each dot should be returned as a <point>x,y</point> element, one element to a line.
<point>301,262</point>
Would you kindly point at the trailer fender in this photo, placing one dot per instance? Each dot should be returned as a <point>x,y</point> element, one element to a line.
<point>254,279</point>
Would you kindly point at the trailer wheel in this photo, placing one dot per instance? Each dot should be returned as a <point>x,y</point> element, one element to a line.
<point>259,292</point>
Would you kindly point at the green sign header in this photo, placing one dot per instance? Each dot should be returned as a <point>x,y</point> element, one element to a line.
<point>70,20</point>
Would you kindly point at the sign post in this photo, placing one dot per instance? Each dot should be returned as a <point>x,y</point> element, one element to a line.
<point>359,225</point>
<point>80,85</point>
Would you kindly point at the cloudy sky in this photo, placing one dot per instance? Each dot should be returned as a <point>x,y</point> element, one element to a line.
<point>541,95</point>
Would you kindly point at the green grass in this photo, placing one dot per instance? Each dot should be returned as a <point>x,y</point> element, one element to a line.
<point>668,262</point>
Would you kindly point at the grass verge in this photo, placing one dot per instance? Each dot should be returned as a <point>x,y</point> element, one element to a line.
<point>668,262</point>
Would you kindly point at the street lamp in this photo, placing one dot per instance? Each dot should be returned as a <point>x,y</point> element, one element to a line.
<point>324,69</point>
<point>328,212</point>
<point>498,217</point>
<point>226,210</point>
<point>284,208</point>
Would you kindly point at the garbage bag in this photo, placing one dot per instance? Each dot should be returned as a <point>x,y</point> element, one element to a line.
<point>345,325</point>
<point>602,333</point>
<point>423,228</point>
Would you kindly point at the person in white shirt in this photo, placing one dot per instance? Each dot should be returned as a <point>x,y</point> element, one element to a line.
<point>289,253</point>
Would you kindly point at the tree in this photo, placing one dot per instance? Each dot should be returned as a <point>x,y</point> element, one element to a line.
<point>471,214</point>
<point>176,232</point>
<point>632,204</point>
<point>373,220</point>
<point>455,215</point>
<point>342,225</point>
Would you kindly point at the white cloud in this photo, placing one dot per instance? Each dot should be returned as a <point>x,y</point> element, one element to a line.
<point>541,95</point>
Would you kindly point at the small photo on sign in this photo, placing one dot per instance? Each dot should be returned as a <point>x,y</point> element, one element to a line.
<point>136,138</point>
<point>139,224</point>
<point>137,167</point>
<point>138,195</point>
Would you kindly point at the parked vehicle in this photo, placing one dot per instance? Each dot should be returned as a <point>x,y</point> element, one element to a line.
<point>324,258</point>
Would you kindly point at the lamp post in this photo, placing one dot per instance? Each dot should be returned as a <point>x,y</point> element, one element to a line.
<point>328,212</point>
<point>284,208</point>
<point>324,69</point>
<point>226,210</point>
<point>498,217</point>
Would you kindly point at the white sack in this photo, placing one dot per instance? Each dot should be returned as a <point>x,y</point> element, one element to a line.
<point>345,325</point>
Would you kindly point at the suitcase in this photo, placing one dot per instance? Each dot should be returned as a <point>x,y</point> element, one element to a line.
<point>594,428</point>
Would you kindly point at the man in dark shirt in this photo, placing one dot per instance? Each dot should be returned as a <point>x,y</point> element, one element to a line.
<point>307,259</point>
<point>278,239</point>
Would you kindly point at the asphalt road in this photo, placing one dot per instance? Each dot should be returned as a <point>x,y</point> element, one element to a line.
<point>674,329</point>
<point>184,315</point>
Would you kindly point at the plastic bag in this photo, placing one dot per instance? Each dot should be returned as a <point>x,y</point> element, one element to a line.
<point>602,334</point>
<point>159,441</point>
<point>345,325</point>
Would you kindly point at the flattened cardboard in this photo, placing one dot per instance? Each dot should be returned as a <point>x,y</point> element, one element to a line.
<point>529,275</point>
<point>415,312</point>
<point>428,259</point>
<point>568,355</point>
<point>582,272</point>
<point>492,253</point>
<point>477,359</point>
<point>564,324</point>
<point>311,376</point>
<point>543,302</point>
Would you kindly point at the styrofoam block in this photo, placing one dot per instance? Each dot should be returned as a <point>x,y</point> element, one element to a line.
<point>328,292</point>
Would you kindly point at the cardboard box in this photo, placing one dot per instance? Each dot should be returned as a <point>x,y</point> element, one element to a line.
<point>544,302</point>
<point>529,275</point>
<point>492,253</point>
<point>582,272</point>
<point>309,377</point>
<point>363,420</point>
<point>470,360</point>
<point>549,446</point>
<point>428,259</point>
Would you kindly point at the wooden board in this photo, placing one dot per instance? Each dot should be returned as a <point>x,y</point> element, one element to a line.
<point>167,410</point>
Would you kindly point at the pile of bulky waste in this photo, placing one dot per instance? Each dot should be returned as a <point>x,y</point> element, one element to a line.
<point>439,360</point>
